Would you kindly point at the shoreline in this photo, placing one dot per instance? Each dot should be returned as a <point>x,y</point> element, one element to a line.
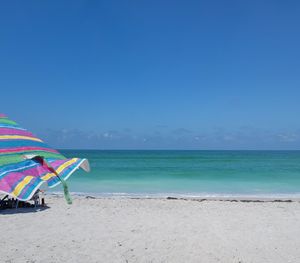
<point>228,198</point>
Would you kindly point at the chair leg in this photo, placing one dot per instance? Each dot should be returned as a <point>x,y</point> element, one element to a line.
<point>2,201</point>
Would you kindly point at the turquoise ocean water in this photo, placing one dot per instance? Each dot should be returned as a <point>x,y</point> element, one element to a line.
<point>187,173</point>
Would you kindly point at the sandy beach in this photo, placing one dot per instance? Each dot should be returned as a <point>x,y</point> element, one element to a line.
<point>152,230</point>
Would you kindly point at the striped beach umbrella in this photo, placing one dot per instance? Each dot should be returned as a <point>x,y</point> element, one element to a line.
<point>26,162</point>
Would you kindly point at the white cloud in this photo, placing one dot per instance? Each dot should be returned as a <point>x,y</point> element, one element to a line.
<point>288,137</point>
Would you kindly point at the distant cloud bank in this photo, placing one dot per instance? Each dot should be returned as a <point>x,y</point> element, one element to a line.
<point>180,138</point>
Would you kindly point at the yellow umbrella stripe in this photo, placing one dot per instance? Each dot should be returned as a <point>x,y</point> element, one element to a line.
<point>20,186</point>
<point>17,137</point>
<point>48,176</point>
<point>66,164</point>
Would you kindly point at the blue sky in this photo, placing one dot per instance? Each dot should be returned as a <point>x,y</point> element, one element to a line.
<point>153,74</point>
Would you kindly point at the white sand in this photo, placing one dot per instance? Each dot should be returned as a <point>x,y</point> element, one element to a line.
<point>152,230</point>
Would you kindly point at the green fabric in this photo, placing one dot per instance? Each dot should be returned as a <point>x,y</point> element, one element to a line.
<point>66,191</point>
<point>6,121</point>
<point>15,158</point>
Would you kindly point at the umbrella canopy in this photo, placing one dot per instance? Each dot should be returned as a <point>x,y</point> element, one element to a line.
<point>26,162</point>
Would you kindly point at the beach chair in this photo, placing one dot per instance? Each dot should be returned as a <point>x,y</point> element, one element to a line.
<point>6,202</point>
<point>3,202</point>
<point>35,198</point>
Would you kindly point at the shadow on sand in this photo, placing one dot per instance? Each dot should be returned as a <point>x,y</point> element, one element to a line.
<point>25,210</point>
